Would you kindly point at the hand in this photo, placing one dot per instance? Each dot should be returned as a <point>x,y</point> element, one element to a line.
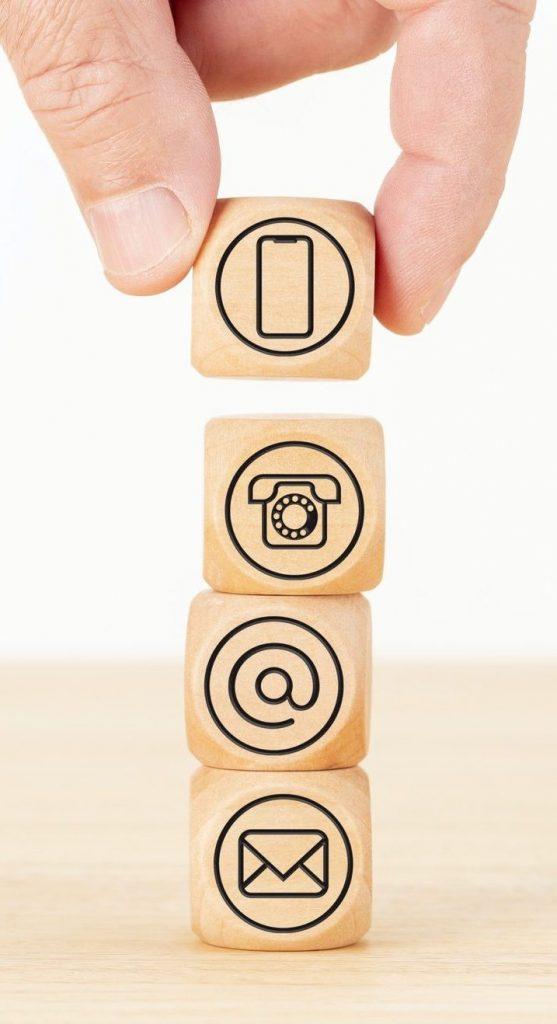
<point>122,87</point>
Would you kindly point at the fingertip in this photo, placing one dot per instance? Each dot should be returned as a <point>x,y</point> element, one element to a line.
<point>433,306</point>
<point>408,318</point>
<point>398,323</point>
<point>456,102</point>
<point>147,241</point>
<point>396,304</point>
<point>165,275</point>
<point>427,226</point>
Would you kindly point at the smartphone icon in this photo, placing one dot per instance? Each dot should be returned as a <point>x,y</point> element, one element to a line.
<point>284,289</point>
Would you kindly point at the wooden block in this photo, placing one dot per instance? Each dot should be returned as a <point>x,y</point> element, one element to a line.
<point>278,683</point>
<point>294,506</point>
<point>284,288</point>
<point>280,860</point>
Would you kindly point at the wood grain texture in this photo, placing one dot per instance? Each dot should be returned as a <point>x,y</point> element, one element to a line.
<point>284,288</point>
<point>314,653</point>
<point>294,505</point>
<point>93,845</point>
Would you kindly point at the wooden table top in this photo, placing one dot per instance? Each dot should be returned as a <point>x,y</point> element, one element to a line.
<point>93,850</point>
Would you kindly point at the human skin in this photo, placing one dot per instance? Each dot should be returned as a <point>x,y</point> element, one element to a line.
<point>122,90</point>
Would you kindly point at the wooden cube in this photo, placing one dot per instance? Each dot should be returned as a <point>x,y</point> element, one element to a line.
<point>278,683</point>
<point>280,860</point>
<point>284,288</point>
<point>294,506</point>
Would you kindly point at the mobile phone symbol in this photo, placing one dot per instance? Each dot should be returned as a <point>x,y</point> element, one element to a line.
<point>284,286</point>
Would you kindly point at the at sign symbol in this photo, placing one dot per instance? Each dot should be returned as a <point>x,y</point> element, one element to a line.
<point>274,685</point>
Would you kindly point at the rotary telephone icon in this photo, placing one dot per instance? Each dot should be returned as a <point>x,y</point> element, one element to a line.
<point>294,508</point>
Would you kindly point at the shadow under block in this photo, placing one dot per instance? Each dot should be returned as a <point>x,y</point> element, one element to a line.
<point>278,683</point>
<point>280,860</point>
<point>284,288</point>
<point>294,505</point>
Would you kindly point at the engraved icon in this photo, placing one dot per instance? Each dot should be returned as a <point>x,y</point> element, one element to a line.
<point>294,508</point>
<point>283,863</point>
<point>294,505</point>
<point>274,685</point>
<point>297,286</point>
<point>284,286</point>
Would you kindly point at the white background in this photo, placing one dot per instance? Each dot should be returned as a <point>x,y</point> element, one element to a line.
<point>101,417</point>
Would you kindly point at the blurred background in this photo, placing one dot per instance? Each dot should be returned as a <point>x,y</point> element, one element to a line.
<point>101,415</point>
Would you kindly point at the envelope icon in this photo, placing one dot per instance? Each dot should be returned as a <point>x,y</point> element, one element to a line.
<point>283,863</point>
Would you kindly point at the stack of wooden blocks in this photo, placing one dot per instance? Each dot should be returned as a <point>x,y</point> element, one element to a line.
<point>278,663</point>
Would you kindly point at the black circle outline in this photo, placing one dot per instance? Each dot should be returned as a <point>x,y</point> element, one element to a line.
<point>349,857</point>
<point>285,220</point>
<point>257,622</point>
<point>284,575</point>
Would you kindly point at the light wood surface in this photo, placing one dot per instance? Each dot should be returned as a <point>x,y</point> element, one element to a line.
<point>284,287</point>
<point>294,505</point>
<point>278,683</point>
<point>93,844</point>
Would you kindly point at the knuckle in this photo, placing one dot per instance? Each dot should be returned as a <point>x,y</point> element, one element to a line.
<point>523,8</point>
<point>76,94</point>
<point>30,27</point>
<point>404,8</point>
<point>334,13</point>
<point>76,68</point>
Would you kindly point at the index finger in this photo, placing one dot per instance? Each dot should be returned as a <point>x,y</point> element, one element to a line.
<point>456,101</point>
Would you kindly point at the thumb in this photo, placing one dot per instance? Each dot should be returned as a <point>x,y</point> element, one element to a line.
<point>131,123</point>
